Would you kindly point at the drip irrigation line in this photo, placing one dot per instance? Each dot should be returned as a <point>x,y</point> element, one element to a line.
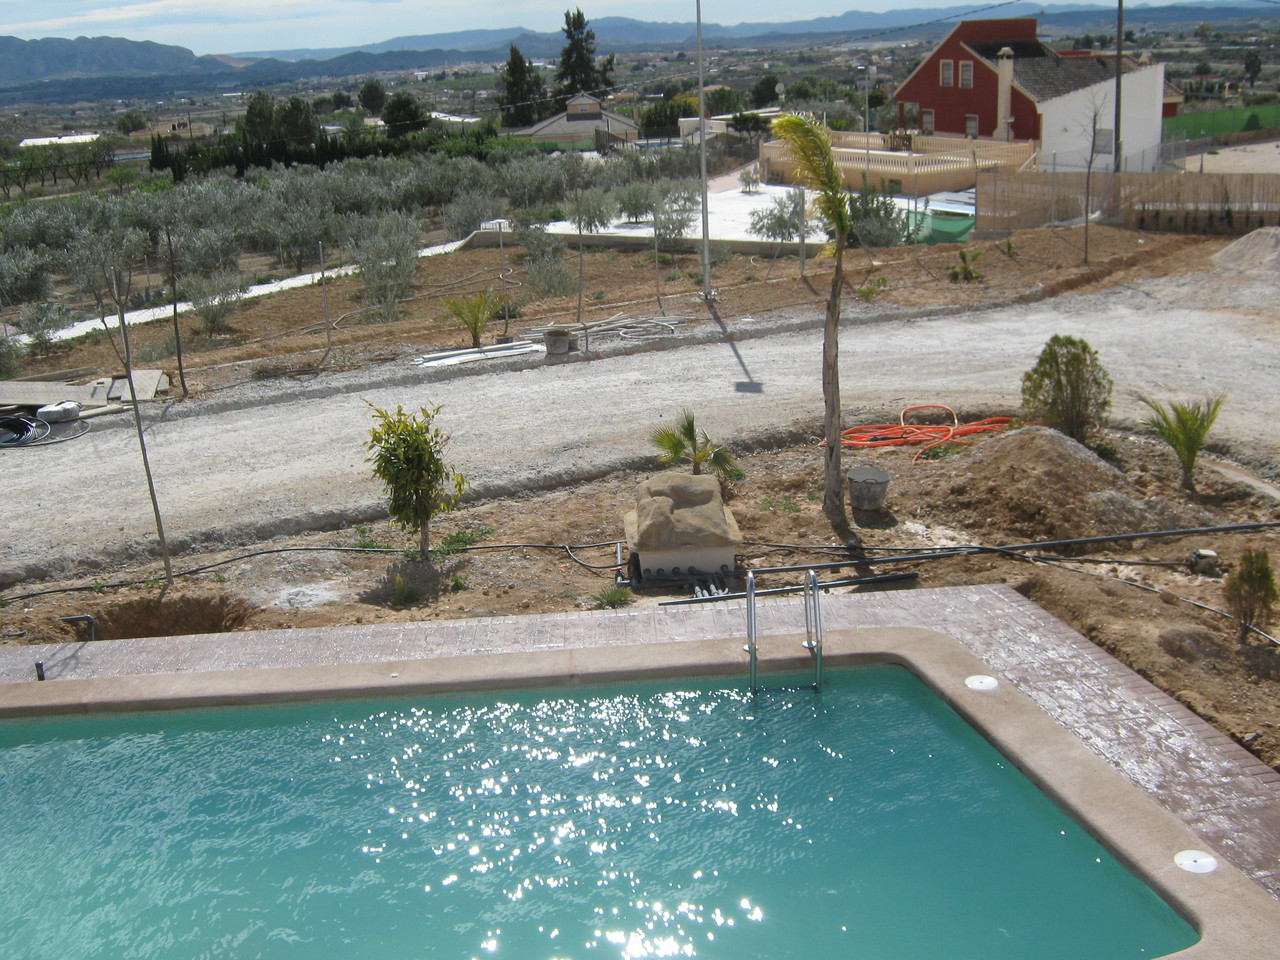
<point>1031,558</point>
<point>96,587</point>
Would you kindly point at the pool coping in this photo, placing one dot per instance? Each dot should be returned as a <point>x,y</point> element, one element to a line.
<point>1235,916</point>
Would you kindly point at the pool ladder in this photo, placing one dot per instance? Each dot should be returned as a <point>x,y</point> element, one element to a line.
<point>812,626</point>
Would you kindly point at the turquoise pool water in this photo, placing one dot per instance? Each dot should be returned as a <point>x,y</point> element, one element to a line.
<point>868,821</point>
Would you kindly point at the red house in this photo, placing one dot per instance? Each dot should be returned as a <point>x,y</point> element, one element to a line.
<point>958,89</point>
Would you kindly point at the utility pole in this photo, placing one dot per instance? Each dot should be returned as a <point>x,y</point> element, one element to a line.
<point>1115,138</point>
<point>707,292</point>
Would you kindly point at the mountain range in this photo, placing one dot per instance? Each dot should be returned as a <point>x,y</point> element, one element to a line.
<point>57,68</point>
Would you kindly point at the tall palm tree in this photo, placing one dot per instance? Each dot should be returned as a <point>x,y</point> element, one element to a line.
<point>684,441</point>
<point>809,145</point>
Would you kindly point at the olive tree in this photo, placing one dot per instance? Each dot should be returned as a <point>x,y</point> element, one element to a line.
<point>386,252</point>
<point>589,211</point>
<point>781,221</point>
<point>408,457</point>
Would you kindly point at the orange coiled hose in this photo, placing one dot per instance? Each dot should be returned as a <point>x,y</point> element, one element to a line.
<point>931,435</point>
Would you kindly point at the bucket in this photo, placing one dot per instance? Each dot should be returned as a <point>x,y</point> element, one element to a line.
<point>867,487</point>
<point>557,340</point>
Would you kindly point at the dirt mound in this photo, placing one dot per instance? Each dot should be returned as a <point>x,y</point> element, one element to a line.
<point>1038,484</point>
<point>1257,251</point>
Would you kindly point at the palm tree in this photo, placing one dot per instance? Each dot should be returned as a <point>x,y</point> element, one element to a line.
<point>809,145</point>
<point>1184,427</point>
<point>684,441</point>
<point>474,312</point>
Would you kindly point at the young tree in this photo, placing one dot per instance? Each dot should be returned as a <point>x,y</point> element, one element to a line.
<point>215,296</point>
<point>1067,387</point>
<point>408,457</point>
<point>781,221</point>
<point>578,71</point>
<point>875,220</point>
<point>1251,592</point>
<point>672,217</point>
<point>810,147</point>
<point>589,211</point>
<point>41,322</point>
<point>373,96</point>
<point>106,251</point>
<point>520,91</point>
<point>1184,427</point>
<point>684,441</point>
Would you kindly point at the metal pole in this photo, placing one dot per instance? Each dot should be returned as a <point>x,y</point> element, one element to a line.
<point>707,292</point>
<point>1115,139</point>
<point>751,626</point>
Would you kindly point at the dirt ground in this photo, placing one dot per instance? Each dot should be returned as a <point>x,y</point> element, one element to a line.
<point>285,334</point>
<point>1027,485</point>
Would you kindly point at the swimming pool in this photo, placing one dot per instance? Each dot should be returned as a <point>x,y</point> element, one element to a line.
<point>638,821</point>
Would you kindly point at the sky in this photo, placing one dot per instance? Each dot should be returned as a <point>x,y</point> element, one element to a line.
<point>233,26</point>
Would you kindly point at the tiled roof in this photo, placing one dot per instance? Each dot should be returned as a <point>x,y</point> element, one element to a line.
<point>1043,75</point>
<point>579,126</point>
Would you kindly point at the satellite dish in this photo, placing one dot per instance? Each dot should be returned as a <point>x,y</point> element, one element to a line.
<point>779,89</point>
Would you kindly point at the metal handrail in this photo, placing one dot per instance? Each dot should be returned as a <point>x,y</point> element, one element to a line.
<point>750,648</point>
<point>813,625</point>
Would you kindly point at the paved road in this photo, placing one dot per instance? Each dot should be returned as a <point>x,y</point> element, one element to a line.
<point>265,460</point>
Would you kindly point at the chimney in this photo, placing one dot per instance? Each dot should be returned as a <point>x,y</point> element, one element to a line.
<point>1004,94</point>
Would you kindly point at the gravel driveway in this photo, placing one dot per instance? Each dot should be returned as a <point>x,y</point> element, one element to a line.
<point>267,459</point>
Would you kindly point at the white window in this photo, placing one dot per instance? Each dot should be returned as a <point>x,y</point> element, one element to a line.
<point>926,121</point>
<point>946,73</point>
<point>966,74</point>
<point>971,125</point>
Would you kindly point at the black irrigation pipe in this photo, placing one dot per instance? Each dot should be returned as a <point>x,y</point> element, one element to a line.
<point>939,553</point>
<point>98,587</point>
<point>1059,562</point>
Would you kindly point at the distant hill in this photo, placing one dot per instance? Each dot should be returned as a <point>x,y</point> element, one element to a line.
<point>89,67</point>
<point>88,56</point>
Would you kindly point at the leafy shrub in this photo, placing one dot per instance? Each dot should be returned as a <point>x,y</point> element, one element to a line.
<point>10,358</point>
<point>1251,592</point>
<point>1068,388</point>
<point>402,595</point>
<point>872,287</point>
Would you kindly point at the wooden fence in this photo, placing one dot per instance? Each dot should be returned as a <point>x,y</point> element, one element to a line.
<point>1229,203</point>
<point>914,165</point>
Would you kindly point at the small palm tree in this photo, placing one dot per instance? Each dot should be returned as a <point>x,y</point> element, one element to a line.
<point>474,312</point>
<point>684,441</point>
<point>1184,427</point>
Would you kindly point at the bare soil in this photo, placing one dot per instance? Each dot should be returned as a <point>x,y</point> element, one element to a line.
<point>1028,485</point>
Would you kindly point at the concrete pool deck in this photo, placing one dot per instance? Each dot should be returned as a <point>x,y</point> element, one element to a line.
<point>1220,797</point>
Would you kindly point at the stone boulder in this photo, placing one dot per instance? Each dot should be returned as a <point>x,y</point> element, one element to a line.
<point>676,511</point>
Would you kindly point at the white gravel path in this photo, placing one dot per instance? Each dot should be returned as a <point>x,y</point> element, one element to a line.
<point>269,459</point>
